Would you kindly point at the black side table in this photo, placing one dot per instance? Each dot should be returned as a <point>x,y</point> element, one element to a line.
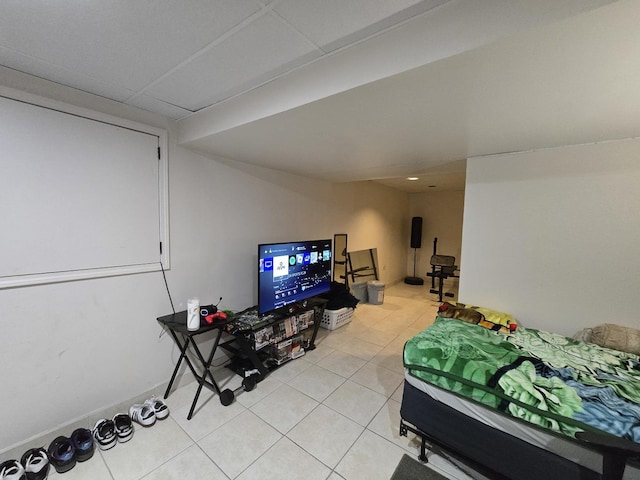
<point>177,325</point>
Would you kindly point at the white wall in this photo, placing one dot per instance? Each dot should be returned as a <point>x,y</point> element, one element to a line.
<point>552,236</point>
<point>221,211</point>
<point>441,214</point>
<point>70,349</point>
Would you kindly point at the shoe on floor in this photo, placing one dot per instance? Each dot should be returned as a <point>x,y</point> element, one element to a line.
<point>143,414</point>
<point>159,407</point>
<point>82,440</point>
<point>12,470</point>
<point>104,433</point>
<point>36,464</point>
<point>62,454</point>
<point>124,427</point>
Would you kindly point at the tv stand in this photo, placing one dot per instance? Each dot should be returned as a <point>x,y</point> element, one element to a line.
<point>262,343</point>
<point>258,344</point>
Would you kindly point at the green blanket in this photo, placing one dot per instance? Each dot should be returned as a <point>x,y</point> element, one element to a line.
<point>546,379</point>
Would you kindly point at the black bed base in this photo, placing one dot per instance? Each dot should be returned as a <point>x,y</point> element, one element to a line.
<point>484,448</point>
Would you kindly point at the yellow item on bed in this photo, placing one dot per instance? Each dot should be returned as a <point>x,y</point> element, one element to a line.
<point>492,315</point>
<point>483,317</point>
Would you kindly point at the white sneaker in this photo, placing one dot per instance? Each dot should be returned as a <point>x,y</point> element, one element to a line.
<point>143,414</point>
<point>158,406</point>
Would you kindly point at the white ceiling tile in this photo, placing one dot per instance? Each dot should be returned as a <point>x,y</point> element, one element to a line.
<point>332,24</point>
<point>531,90</point>
<point>54,73</point>
<point>154,105</point>
<point>263,49</point>
<point>175,57</point>
<point>122,42</point>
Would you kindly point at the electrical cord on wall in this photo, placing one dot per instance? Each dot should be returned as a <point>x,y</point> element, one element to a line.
<point>162,330</point>
<point>166,284</point>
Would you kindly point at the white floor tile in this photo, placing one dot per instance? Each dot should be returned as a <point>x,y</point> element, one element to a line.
<point>336,337</point>
<point>341,363</point>
<point>360,348</point>
<point>285,460</point>
<point>236,445</point>
<point>178,397</point>
<point>390,359</point>
<point>191,464</point>
<point>386,423</point>
<point>326,434</point>
<point>377,336</point>
<point>94,468</point>
<point>378,379</point>
<point>208,415</point>
<point>262,389</point>
<point>291,369</point>
<point>317,354</point>
<point>356,402</point>
<point>317,382</point>
<point>372,457</point>
<point>284,408</point>
<point>335,476</point>
<point>148,449</point>
<point>397,395</point>
<point>375,312</point>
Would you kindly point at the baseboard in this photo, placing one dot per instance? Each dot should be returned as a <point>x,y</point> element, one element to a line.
<point>43,439</point>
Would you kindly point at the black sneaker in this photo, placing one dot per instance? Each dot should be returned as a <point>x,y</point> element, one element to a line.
<point>124,427</point>
<point>36,464</point>
<point>82,440</point>
<point>104,434</point>
<point>62,454</point>
<point>12,470</point>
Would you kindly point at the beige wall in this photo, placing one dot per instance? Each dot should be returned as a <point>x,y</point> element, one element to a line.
<point>441,214</point>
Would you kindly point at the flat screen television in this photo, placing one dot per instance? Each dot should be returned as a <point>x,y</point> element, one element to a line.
<point>292,272</point>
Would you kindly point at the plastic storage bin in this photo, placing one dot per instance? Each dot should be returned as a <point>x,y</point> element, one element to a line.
<point>332,319</point>
<point>359,290</point>
<point>375,289</point>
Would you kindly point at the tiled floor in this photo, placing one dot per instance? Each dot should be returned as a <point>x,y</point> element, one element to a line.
<point>332,414</point>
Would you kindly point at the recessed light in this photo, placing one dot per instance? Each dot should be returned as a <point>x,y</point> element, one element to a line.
<point>413,178</point>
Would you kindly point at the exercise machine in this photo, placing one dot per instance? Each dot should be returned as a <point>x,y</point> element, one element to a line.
<point>442,267</point>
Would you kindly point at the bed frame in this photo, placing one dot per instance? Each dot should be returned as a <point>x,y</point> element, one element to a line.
<point>499,454</point>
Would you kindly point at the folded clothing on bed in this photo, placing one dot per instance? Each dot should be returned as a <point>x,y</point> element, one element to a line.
<point>540,377</point>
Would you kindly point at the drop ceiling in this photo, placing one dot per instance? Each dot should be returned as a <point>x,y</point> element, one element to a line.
<point>347,90</point>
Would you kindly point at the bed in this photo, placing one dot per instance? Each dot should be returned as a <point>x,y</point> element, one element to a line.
<point>520,403</point>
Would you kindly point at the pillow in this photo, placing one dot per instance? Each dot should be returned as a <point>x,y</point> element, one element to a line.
<point>624,339</point>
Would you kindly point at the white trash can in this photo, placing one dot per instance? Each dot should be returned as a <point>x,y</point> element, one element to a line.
<point>359,290</point>
<point>375,289</point>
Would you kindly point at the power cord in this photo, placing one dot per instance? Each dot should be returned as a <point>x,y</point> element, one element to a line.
<point>166,284</point>
<point>162,330</point>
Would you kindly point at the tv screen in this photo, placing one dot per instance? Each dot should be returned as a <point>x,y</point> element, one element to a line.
<point>292,272</point>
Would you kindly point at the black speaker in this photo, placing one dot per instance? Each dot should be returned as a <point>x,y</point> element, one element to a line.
<point>416,232</point>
